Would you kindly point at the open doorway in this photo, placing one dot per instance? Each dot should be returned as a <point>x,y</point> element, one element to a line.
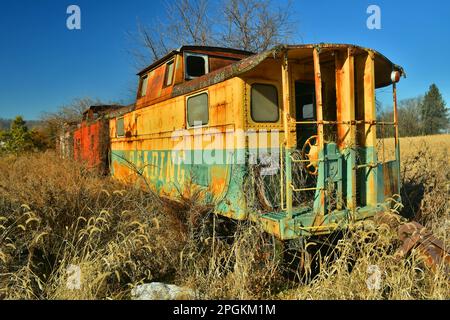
<point>305,111</point>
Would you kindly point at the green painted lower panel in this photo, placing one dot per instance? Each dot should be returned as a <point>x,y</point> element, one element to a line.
<point>221,175</point>
<point>169,174</point>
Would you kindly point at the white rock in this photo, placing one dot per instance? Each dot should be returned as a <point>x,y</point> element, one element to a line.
<point>161,291</point>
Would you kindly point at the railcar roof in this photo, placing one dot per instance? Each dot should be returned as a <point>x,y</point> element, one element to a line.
<point>103,108</point>
<point>187,48</point>
<point>383,65</point>
<point>110,111</point>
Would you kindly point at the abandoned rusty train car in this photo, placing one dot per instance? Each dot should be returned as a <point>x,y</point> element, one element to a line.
<point>88,141</point>
<point>286,137</point>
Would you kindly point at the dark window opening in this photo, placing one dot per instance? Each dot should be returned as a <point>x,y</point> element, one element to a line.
<point>196,65</point>
<point>305,102</point>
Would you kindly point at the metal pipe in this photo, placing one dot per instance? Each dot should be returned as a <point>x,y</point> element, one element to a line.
<point>304,189</point>
<point>319,204</point>
<point>356,122</point>
<point>286,88</point>
<point>397,137</point>
<point>281,178</point>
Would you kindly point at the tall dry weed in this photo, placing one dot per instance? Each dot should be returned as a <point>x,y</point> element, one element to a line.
<point>56,214</point>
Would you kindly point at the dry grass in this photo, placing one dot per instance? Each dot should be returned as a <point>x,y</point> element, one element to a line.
<point>54,214</point>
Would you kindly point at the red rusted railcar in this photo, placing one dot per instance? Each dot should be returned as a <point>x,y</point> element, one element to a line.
<point>91,138</point>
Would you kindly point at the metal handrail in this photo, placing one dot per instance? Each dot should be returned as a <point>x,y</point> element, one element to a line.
<point>281,178</point>
<point>298,161</point>
<point>351,122</point>
<point>303,189</point>
<point>369,165</point>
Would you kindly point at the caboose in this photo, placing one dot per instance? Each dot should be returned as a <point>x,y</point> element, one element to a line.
<point>88,141</point>
<point>286,137</point>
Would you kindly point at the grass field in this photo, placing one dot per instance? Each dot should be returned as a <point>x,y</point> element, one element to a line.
<point>54,214</point>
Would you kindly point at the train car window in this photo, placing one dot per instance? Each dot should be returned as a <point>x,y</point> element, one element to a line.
<point>143,88</point>
<point>196,65</point>
<point>197,110</point>
<point>168,78</point>
<point>264,103</point>
<point>120,127</point>
<point>308,111</point>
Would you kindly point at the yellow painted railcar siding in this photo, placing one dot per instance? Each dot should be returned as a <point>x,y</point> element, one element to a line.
<point>160,127</point>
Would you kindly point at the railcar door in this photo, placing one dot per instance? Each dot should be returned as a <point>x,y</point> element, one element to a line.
<point>305,110</point>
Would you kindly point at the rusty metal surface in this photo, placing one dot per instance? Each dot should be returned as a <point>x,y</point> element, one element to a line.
<point>147,142</point>
<point>100,110</point>
<point>251,62</point>
<point>220,75</point>
<point>415,236</point>
<point>91,144</point>
<point>157,91</point>
<point>119,111</point>
<point>226,51</point>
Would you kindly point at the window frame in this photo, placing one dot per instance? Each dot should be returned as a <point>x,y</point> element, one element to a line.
<point>166,73</point>
<point>272,84</point>
<point>187,109</point>
<point>186,55</point>
<point>314,103</point>
<point>117,131</point>
<point>141,86</point>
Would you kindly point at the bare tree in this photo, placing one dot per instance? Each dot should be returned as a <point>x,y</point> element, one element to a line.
<point>185,22</point>
<point>70,113</point>
<point>409,113</point>
<point>253,25</point>
<point>411,123</point>
<point>73,111</point>
<point>152,40</point>
<point>189,21</point>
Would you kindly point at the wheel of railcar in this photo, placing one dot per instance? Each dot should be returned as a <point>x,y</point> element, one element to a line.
<point>310,153</point>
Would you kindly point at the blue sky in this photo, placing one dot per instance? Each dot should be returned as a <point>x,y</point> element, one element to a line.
<point>43,65</point>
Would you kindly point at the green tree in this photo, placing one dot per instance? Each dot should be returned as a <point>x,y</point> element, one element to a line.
<point>4,137</point>
<point>434,113</point>
<point>18,139</point>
